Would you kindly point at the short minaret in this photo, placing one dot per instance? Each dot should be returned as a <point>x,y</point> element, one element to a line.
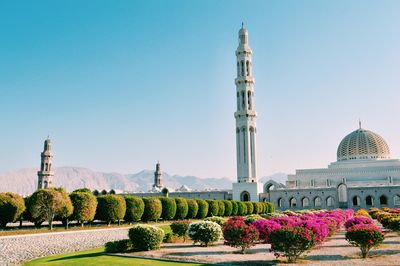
<point>246,188</point>
<point>157,177</point>
<point>45,175</point>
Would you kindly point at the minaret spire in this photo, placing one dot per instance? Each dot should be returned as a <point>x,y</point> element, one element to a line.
<point>246,129</point>
<point>157,177</point>
<point>45,175</point>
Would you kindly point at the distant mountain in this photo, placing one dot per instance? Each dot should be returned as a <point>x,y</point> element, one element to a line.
<point>278,177</point>
<point>24,181</point>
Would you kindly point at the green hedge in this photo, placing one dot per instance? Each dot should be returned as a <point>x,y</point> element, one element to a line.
<point>168,208</point>
<point>152,209</point>
<point>182,208</point>
<point>212,208</point>
<point>203,208</point>
<point>242,208</point>
<point>110,208</point>
<point>250,207</point>
<point>193,208</point>
<point>134,209</point>
<point>228,207</point>
<point>235,207</point>
<point>221,208</point>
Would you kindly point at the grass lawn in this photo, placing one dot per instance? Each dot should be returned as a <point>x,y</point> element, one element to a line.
<point>97,257</point>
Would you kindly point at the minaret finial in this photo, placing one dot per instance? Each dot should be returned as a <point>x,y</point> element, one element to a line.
<point>242,25</point>
<point>359,123</point>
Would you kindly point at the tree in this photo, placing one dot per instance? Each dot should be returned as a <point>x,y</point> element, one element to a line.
<point>134,209</point>
<point>67,209</point>
<point>11,207</point>
<point>85,204</point>
<point>152,209</point>
<point>110,208</point>
<point>83,190</point>
<point>203,208</point>
<point>46,204</point>
<point>104,192</point>
<point>182,208</point>
<point>112,191</point>
<point>96,192</point>
<point>168,208</point>
<point>193,208</point>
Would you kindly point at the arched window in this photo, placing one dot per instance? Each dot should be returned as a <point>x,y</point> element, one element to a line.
<point>305,202</point>
<point>293,202</point>
<point>238,100</point>
<point>252,146</point>
<point>46,184</point>
<point>248,68</point>
<point>245,196</point>
<point>244,145</point>
<point>243,106</point>
<point>356,201</point>
<point>268,188</point>
<point>369,201</point>
<point>42,167</point>
<point>280,202</point>
<point>396,201</point>
<point>342,193</point>
<point>383,200</point>
<point>238,71</point>
<point>47,167</point>
<point>317,202</point>
<point>238,143</point>
<point>249,100</point>
<point>242,67</point>
<point>330,202</point>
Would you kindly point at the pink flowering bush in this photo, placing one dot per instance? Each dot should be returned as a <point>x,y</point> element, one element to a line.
<point>291,242</point>
<point>238,234</point>
<point>264,228</point>
<point>364,236</point>
<point>357,220</point>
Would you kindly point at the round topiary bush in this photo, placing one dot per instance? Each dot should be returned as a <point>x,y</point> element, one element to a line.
<point>250,207</point>
<point>238,234</point>
<point>152,209</point>
<point>134,209</point>
<point>168,208</point>
<point>204,232</point>
<point>193,208</point>
<point>85,204</point>
<point>203,209</point>
<point>221,208</point>
<point>212,208</point>
<point>235,207</point>
<point>242,208</point>
<point>252,218</point>
<point>365,236</point>
<point>118,246</point>
<point>11,207</point>
<point>216,219</point>
<point>182,208</point>
<point>180,228</point>
<point>110,208</point>
<point>255,207</point>
<point>264,228</point>
<point>146,237</point>
<point>228,207</point>
<point>270,207</point>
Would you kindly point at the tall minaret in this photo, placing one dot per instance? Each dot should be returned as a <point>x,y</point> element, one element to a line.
<point>45,175</point>
<point>246,130</point>
<point>157,177</point>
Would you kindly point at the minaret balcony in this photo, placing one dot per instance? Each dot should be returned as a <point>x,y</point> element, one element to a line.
<point>247,113</point>
<point>246,79</point>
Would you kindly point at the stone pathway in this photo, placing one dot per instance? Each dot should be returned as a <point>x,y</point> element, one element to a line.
<point>16,249</point>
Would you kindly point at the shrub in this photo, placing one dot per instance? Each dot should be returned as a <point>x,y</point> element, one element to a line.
<point>180,228</point>
<point>168,208</point>
<point>250,207</point>
<point>193,208</point>
<point>146,237</point>
<point>238,234</point>
<point>169,238</point>
<point>182,208</point>
<point>216,219</point>
<point>110,208</point>
<point>235,207</point>
<point>85,204</point>
<point>118,246</point>
<point>67,208</point>
<point>364,236</point>
<point>45,204</point>
<point>228,207</point>
<point>357,220</point>
<point>203,208</point>
<point>255,208</point>
<point>362,212</point>
<point>291,242</point>
<point>251,218</point>
<point>134,209</point>
<point>221,208</point>
<point>152,209</point>
<point>82,190</point>
<point>204,232</point>
<point>242,208</point>
<point>264,228</point>
<point>11,207</point>
<point>212,208</point>
<point>270,207</point>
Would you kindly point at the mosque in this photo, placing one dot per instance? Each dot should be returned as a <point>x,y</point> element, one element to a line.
<point>363,176</point>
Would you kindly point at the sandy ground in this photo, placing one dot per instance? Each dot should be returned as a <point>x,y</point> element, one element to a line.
<point>335,251</point>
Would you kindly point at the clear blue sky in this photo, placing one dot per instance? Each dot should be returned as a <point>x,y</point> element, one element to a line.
<point>119,85</point>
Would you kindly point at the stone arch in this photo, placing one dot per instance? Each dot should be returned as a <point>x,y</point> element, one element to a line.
<point>356,201</point>
<point>317,202</point>
<point>342,192</point>
<point>305,202</point>
<point>396,200</point>
<point>330,202</point>
<point>369,201</point>
<point>245,196</point>
<point>383,200</point>
<point>293,202</point>
<point>270,185</point>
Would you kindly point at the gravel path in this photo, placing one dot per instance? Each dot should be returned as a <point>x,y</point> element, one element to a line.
<point>16,249</point>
